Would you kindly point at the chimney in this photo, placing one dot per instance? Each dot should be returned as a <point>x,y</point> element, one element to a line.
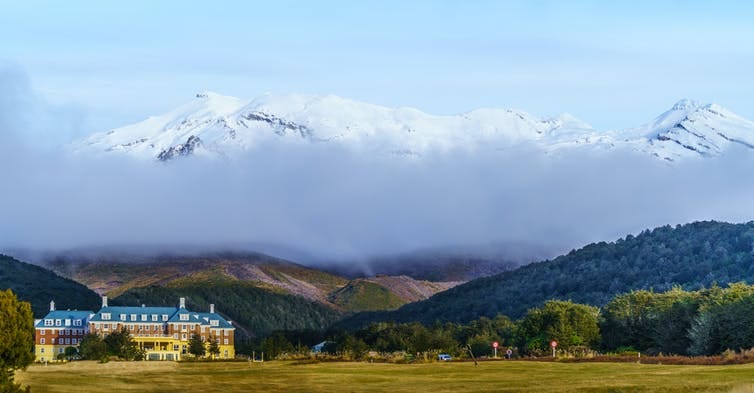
<point>183,302</point>
<point>52,305</point>
<point>104,301</point>
<point>211,308</point>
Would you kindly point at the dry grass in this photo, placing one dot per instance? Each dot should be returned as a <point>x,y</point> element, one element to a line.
<point>279,376</point>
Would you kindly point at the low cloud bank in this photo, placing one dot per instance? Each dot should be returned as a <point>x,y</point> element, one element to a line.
<point>321,203</point>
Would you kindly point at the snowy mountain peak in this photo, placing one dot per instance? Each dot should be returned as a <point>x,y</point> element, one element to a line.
<point>686,104</point>
<point>216,125</point>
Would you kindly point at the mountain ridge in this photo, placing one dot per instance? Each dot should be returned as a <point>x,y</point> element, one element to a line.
<point>221,126</point>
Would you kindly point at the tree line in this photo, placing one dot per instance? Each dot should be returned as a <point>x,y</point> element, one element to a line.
<point>706,321</point>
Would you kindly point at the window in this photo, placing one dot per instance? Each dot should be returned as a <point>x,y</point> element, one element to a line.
<point>184,317</point>
<point>214,322</point>
<point>183,336</point>
<point>67,322</point>
<point>67,341</point>
<point>42,350</point>
<point>49,322</point>
<point>131,327</point>
<point>123,317</point>
<point>175,336</point>
<point>60,350</point>
<point>133,317</point>
<point>42,341</point>
<point>43,332</point>
<point>77,322</point>
<point>183,327</point>
<point>154,317</point>
<point>164,317</point>
<point>74,341</point>
<point>106,316</point>
<point>175,347</point>
<point>58,322</point>
<point>52,341</point>
<point>143,317</point>
<point>225,341</point>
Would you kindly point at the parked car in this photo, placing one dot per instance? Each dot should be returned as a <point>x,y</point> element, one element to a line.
<point>444,357</point>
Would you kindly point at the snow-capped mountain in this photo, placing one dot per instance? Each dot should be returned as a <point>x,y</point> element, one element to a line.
<point>215,125</point>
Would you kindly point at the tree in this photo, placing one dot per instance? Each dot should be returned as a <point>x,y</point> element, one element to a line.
<point>16,339</point>
<point>196,346</point>
<point>92,347</point>
<point>214,347</point>
<point>570,324</point>
<point>122,345</point>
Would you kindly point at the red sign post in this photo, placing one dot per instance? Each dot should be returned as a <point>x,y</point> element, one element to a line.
<point>494,346</point>
<point>553,344</point>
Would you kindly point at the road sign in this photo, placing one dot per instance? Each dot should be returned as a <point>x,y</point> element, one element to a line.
<point>553,343</point>
<point>495,344</point>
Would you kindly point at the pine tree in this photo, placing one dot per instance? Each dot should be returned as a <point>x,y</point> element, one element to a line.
<point>214,348</point>
<point>196,346</point>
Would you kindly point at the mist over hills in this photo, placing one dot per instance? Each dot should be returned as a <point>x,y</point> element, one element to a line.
<point>326,180</point>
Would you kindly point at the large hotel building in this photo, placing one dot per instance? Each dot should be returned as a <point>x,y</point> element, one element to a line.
<point>161,332</point>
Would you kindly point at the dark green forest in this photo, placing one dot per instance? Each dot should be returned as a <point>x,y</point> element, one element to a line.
<point>39,286</point>
<point>257,311</point>
<point>691,256</point>
<point>676,322</point>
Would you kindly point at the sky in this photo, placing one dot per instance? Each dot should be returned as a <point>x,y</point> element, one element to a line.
<point>612,64</point>
<point>71,68</point>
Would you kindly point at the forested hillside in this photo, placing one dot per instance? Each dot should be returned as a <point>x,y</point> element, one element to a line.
<point>39,286</point>
<point>692,256</point>
<point>253,310</point>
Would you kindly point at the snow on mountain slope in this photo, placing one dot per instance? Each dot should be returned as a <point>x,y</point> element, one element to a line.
<point>216,125</point>
<point>690,128</point>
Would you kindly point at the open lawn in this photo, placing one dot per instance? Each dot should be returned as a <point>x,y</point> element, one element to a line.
<point>289,376</point>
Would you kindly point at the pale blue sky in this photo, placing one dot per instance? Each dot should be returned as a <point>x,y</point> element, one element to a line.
<point>613,65</point>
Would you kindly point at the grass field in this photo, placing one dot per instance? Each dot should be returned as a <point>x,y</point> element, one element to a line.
<point>279,376</point>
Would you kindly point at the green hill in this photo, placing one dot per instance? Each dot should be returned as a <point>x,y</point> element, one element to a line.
<point>254,311</point>
<point>693,256</point>
<point>38,286</point>
<point>362,295</point>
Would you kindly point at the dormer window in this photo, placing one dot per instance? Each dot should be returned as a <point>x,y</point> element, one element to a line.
<point>122,317</point>
<point>143,317</point>
<point>49,322</point>
<point>58,322</point>
<point>77,322</point>
<point>164,317</point>
<point>184,317</point>
<point>133,317</point>
<point>154,317</point>
<point>105,316</point>
<point>214,322</point>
